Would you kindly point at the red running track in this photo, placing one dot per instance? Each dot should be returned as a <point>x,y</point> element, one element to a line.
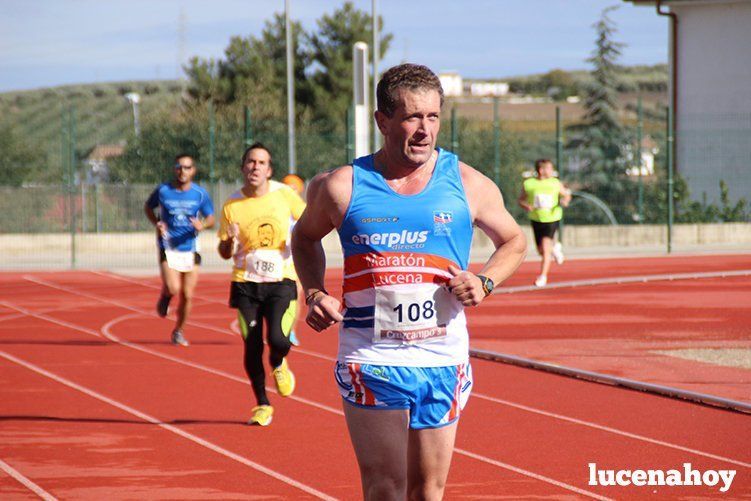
<point>95,403</point>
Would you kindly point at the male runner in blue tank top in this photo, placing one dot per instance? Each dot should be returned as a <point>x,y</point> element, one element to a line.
<point>404,216</point>
<point>180,203</point>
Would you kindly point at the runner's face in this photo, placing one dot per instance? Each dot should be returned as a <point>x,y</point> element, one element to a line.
<point>411,133</point>
<point>185,169</point>
<point>546,170</point>
<point>257,168</point>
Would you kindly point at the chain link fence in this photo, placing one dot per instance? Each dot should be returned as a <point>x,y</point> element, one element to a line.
<point>85,171</point>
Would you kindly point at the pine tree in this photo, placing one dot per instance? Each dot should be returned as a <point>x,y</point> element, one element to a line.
<point>599,141</point>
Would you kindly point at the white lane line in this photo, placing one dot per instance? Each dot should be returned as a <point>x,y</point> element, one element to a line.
<point>148,313</point>
<point>142,283</point>
<point>569,419</point>
<point>15,316</point>
<point>173,429</point>
<point>119,304</point>
<point>24,312</point>
<point>106,331</point>
<point>26,482</point>
<point>624,280</point>
<point>611,430</point>
<point>533,475</point>
<point>534,410</point>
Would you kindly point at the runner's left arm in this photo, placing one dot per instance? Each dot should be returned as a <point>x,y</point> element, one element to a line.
<point>490,215</point>
<point>207,211</point>
<point>564,196</point>
<point>226,235</point>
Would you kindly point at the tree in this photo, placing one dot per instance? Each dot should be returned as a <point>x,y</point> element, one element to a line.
<point>559,84</point>
<point>19,160</point>
<point>254,71</point>
<point>599,140</point>
<point>331,51</point>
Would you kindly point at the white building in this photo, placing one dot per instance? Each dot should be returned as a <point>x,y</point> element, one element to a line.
<point>452,84</point>
<point>711,73</point>
<point>488,88</point>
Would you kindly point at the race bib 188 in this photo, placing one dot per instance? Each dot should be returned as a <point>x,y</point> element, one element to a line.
<point>264,265</point>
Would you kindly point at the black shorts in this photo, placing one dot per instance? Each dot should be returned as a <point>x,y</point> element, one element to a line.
<point>163,257</point>
<point>260,292</point>
<point>542,230</point>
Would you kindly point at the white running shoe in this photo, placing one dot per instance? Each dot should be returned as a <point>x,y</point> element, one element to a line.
<point>178,339</point>
<point>541,281</point>
<point>558,253</point>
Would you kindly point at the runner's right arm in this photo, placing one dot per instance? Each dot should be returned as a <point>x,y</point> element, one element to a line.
<point>227,235</point>
<point>148,207</point>
<point>328,199</point>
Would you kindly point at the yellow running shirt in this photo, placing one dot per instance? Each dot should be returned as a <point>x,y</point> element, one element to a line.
<point>542,195</point>
<point>262,253</point>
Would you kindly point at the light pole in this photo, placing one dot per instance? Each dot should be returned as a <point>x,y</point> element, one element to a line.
<point>376,55</point>
<point>134,98</point>
<point>290,91</point>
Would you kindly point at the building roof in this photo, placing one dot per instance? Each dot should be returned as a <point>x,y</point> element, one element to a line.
<point>667,3</point>
<point>106,151</point>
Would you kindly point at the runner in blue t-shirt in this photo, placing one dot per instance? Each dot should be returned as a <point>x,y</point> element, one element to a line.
<point>180,203</point>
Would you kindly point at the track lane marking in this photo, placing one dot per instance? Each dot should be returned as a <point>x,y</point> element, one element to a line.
<point>612,430</point>
<point>16,316</point>
<point>530,474</point>
<point>119,304</point>
<point>173,429</point>
<point>106,332</point>
<point>482,396</point>
<point>26,481</point>
<point>628,279</point>
<point>552,415</point>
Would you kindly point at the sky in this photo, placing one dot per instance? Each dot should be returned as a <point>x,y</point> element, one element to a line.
<point>46,43</point>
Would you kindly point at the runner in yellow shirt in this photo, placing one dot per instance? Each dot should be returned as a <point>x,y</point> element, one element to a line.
<point>254,231</point>
<point>543,197</point>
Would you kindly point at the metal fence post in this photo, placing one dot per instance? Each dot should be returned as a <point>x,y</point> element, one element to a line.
<point>640,160</point>
<point>670,139</point>
<point>559,158</point>
<point>97,206</point>
<point>496,143</point>
<point>212,133</point>
<point>72,182</point>
<point>454,133</point>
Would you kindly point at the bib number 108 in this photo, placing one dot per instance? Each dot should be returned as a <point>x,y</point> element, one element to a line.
<point>415,311</point>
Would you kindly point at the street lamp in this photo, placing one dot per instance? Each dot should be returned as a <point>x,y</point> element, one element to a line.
<point>134,98</point>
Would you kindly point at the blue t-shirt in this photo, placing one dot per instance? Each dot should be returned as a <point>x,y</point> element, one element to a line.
<point>176,207</point>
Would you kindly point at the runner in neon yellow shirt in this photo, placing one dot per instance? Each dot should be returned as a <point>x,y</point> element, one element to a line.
<point>543,197</point>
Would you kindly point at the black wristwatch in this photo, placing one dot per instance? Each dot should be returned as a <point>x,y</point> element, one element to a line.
<point>487,285</point>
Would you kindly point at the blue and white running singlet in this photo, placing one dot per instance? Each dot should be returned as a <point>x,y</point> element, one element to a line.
<point>176,207</point>
<point>397,249</point>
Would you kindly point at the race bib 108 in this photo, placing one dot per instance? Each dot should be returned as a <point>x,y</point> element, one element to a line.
<point>412,316</point>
